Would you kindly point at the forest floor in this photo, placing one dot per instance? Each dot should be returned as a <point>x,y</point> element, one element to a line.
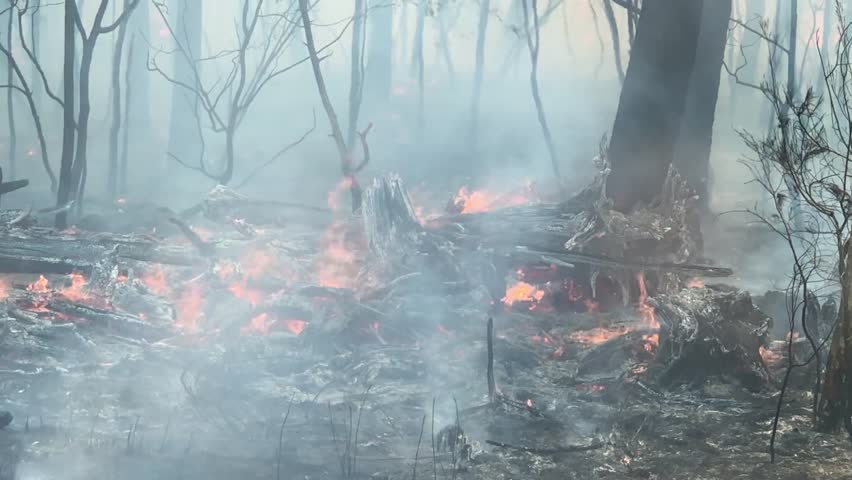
<point>280,361</point>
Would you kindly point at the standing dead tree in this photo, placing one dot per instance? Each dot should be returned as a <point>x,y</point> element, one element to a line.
<point>348,168</point>
<point>113,168</point>
<point>479,69</point>
<point>225,101</point>
<point>72,177</point>
<point>21,84</point>
<point>534,43</point>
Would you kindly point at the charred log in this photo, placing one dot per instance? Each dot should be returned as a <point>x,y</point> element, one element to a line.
<point>709,331</point>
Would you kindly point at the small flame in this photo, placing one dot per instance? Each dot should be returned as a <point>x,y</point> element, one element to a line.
<point>260,324</point>
<point>296,327</point>
<point>597,336</point>
<point>156,281</point>
<point>477,201</point>
<point>4,289</point>
<point>75,292</point>
<point>769,357</point>
<point>243,292</point>
<point>648,314</point>
<point>529,403</point>
<point>39,286</point>
<point>522,292</point>
<point>190,308</point>
<point>695,283</point>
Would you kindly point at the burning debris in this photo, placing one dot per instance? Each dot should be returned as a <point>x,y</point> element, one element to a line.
<point>606,308</point>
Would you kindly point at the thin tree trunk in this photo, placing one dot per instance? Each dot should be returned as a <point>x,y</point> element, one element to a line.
<point>379,73</point>
<point>183,136</point>
<point>479,67</point>
<point>826,46</point>
<point>444,42</point>
<point>112,174</point>
<point>80,155</point>
<point>37,20</point>
<point>616,42</point>
<point>652,101</point>
<point>356,72</point>
<point>65,179</point>
<point>792,87</point>
<point>692,152</point>
<point>534,43</point>
<point>125,135</point>
<point>10,101</point>
<point>417,63</point>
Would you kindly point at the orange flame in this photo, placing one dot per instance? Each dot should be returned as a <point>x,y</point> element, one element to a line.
<point>296,327</point>
<point>243,292</point>
<point>648,314</point>
<point>259,324</point>
<point>75,292</point>
<point>522,292</point>
<point>190,308</point>
<point>39,286</point>
<point>597,336</point>
<point>695,283</point>
<point>4,289</point>
<point>337,266</point>
<point>769,357</point>
<point>477,201</point>
<point>156,281</point>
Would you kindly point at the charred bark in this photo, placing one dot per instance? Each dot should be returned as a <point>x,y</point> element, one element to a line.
<point>692,151</point>
<point>478,69</point>
<point>65,190</point>
<point>112,173</point>
<point>835,406</point>
<point>652,101</point>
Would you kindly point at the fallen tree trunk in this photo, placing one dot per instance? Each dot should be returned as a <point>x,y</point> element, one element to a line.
<point>47,251</point>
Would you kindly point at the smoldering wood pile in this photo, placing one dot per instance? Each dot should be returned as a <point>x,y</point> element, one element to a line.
<point>262,301</point>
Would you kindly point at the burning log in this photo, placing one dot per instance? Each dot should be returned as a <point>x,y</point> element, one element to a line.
<point>709,331</point>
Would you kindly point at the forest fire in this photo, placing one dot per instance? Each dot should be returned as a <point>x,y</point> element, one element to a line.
<point>466,201</point>
<point>648,314</point>
<point>523,292</point>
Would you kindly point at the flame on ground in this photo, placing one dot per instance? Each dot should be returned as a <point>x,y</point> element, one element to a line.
<point>337,265</point>
<point>467,201</point>
<point>76,291</point>
<point>522,292</point>
<point>155,280</point>
<point>648,314</point>
<point>42,285</point>
<point>597,336</point>
<point>190,308</point>
<point>260,324</point>
<point>695,283</point>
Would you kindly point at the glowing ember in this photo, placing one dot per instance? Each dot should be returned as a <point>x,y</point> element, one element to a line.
<point>649,318</point>
<point>39,286</point>
<point>156,282</point>
<point>695,283</point>
<point>769,357</point>
<point>190,308</point>
<point>260,324</point>
<point>257,263</point>
<point>243,292</point>
<point>591,388</point>
<point>522,292</point>
<point>337,266</point>
<point>75,292</point>
<point>529,403</point>
<point>296,327</point>
<point>4,289</point>
<point>466,201</point>
<point>597,336</point>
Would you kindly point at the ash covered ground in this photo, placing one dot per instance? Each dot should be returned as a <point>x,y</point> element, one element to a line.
<point>341,346</point>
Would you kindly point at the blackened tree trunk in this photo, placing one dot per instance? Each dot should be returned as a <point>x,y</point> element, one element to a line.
<point>10,100</point>
<point>380,53</point>
<point>356,72</point>
<point>115,127</point>
<point>650,110</point>
<point>65,190</point>
<point>792,82</point>
<point>692,152</point>
<point>417,63</point>
<point>184,142</point>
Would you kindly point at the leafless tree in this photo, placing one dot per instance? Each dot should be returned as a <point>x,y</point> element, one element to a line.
<point>348,168</point>
<point>115,127</point>
<point>807,157</point>
<point>21,84</point>
<point>533,36</point>
<point>225,101</point>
